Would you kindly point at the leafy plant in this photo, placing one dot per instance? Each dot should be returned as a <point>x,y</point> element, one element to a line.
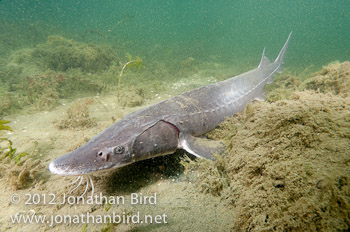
<point>3,126</point>
<point>10,151</point>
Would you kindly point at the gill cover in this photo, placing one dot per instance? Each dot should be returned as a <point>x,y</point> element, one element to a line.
<point>161,138</point>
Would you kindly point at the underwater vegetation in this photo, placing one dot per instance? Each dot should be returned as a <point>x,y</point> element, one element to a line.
<point>132,97</point>
<point>333,78</point>
<point>20,169</point>
<point>25,173</point>
<point>9,151</point>
<point>78,115</point>
<point>283,87</point>
<point>131,63</point>
<point>61,54</point>
<point>42,90</point>
<point>59,68</point>
<point>287,162</point>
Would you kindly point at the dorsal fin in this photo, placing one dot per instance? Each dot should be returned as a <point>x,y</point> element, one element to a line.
<point>264,60</point>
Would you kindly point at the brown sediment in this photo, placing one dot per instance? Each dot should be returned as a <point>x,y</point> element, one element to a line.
<point>286,166</point>
<point>131,97</point>
<point>333,78</point>
<point>24,174</point>
<point>78,115</point>
<point>283,87</point>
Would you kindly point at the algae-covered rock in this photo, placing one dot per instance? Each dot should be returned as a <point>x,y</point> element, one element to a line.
<point>333,78</point>
<point>286,166</point>
<point>61,54</point>
<point>59,68</point>
<point>282,87</point>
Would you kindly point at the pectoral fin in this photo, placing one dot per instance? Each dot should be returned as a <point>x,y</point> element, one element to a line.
<point>201,147</point>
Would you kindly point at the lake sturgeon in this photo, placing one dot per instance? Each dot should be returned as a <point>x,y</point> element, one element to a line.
<point>176,123</point>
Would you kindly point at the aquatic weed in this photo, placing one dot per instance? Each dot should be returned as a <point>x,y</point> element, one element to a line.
<point>61,54</point>
<point>9,151</point>
<point>42,90</point>
<point>78,115</point>
<point>20,172</point>
<point>136,62</point>
<point>84,228</point>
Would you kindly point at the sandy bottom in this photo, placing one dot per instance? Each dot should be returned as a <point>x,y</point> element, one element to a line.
<point>286,166</point>
<point>177,198</point>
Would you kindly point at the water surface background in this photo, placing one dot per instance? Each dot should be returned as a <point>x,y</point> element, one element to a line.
<point>230,31</point>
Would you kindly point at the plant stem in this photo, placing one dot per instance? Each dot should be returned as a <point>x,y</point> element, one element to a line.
<point>120,76</point>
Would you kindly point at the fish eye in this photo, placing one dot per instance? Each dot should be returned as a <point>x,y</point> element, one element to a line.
<point>118,150</point>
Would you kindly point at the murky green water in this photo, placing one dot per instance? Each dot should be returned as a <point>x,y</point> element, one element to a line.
<point>234,31</point>
<point>70,69</point>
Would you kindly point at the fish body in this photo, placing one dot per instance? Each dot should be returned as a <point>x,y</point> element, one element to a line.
<point>172,124</point>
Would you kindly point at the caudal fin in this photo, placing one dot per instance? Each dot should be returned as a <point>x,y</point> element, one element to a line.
<point>280,57</point>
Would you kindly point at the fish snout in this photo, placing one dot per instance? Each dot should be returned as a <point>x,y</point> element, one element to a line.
<point>72,164</point>
<point>83,161</point>
<point>55,169</point>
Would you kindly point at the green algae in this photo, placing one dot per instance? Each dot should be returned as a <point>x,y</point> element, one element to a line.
<point>333,78</point>
<point>59,68</point>
<point>283,87</point>
<point>9,151</point>
<point>20,169</point>
<point>61,54</point>
<point>3,126</point>
<point>286,165</point>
